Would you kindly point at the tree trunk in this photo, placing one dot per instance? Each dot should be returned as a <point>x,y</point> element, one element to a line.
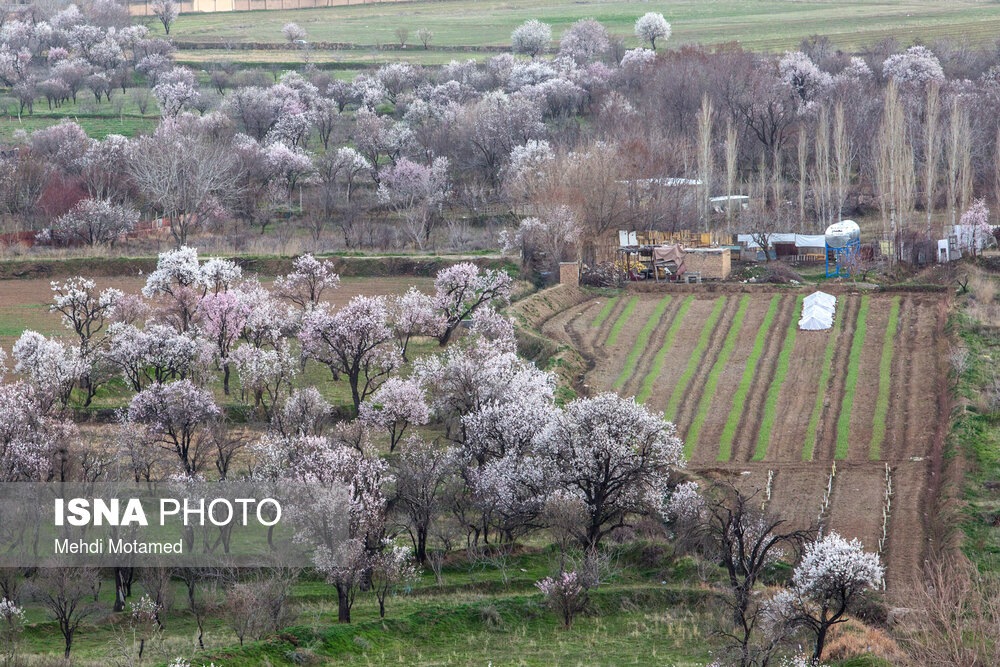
<point>820,642</point>
<point>225,378</point>
<point>343,607</point>
<point>119,589</point>
<point>421,545</point>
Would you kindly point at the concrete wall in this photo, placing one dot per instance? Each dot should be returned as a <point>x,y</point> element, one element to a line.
<point>714,263</point>
<point>569,273</point>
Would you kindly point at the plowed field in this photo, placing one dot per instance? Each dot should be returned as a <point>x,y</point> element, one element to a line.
<point>754,397</point>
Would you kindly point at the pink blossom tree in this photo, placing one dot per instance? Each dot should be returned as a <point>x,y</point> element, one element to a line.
<point>462,288</point>
<point>265,374</point>
<point>176,413</point>
<point>413,314</point>
<point>977,221</point>
<point>307,282</point>
<point>394,406</point>
<point>355,341</point>
<point>416,192</point>
<point>222,317</point>
<point>565,594</point>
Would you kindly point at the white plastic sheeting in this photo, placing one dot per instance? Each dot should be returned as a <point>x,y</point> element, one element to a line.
<point>822,298</point>
<point>816,322</point>
<point>800,240</point>
<point>818,310</point>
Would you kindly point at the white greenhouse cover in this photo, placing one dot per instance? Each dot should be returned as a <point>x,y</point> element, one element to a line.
<point>821,298</point>
<point>816,322</point>
<point>817,309</point>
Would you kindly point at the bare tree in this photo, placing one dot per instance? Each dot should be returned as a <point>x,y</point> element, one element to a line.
<point>67,593</point>
<point>705,160</point>
<point>745,539</point>
<point>932,111</point>
<point>186,177</point>
<point>842,157</point>
<point>732,157</point>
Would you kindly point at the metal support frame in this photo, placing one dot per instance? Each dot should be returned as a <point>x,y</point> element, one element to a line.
<point>842,259</point>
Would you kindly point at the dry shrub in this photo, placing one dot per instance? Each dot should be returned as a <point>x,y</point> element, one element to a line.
<point>983,306</point>
<point>854,639</point>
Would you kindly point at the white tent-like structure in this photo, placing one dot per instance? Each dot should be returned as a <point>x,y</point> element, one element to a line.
<point>817,311</point>
<point>816,322</point>
<point>821,298</point>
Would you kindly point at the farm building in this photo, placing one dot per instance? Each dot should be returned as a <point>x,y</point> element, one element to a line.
<point>799,246</point>
<point>711,263</point>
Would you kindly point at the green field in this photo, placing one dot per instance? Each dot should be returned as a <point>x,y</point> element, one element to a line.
<point>767,24</point>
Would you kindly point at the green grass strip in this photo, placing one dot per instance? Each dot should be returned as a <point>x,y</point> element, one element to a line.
<point>695,359</point>
<point>603,315</point>
<point>824,379</point>
<point>620,322</point>
<point>654,372</point>
<point>691,439</point>
<point>884,372</point>
<point>733,420</point>
<point>777,382</point>
<point>640,343</point>
<point>851,384</point>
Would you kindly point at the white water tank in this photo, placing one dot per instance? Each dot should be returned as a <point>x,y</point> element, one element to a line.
<point>842,234</point>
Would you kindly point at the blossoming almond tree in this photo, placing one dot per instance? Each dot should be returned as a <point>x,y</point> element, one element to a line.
<point>616,455</point>
<point>833,573</point>
<point>394,406</point>
<point>462,288</point>
<point>176,413</point>
<point>355,341</point>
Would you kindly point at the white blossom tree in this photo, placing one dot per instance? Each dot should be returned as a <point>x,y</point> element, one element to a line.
<point>97,221</point>
<point>531,37</point>
<point>167,12</point>
<point>394,406</point>
<point>462,288</point>
<point>833,573</point>
<point>616,455</point>
<point>650,27</point>
<point>355,341</point>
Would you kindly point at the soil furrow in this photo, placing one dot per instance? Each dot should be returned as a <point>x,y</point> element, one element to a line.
<point>689,403</point>
<point>745,443</point>
<point>827,439</point>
